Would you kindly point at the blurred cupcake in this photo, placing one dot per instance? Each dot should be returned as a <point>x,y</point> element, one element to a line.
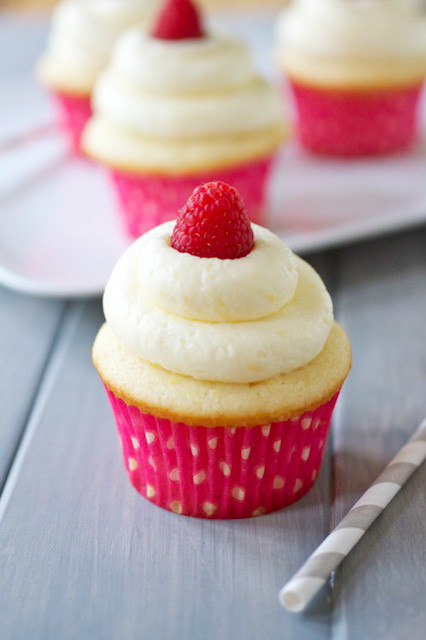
<point>356,71</point>
<point>222,362</point>
<point>178,107</point>
<point>82,35</point>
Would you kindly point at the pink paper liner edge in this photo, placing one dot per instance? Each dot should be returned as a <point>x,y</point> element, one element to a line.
<point>146,201</point>
<point>74,112</point>
<point>346,123</point>
<point>221,472</point>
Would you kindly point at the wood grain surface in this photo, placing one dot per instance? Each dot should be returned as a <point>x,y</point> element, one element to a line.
<point>382,304</point>
<point>27,332</point>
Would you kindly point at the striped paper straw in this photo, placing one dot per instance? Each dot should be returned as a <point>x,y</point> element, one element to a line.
<point>306,583</point>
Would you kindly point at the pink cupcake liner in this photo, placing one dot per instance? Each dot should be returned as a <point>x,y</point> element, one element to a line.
<point>349,123</point>
<point>75,112</point>
<point>148,200</point>
<point>221,472</point>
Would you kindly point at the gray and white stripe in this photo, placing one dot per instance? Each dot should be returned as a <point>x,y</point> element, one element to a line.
<point>306,583</point>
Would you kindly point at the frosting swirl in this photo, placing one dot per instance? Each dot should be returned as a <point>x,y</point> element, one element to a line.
<point>239,321</point>
<point>203,93</point>
<point>82,35</point>
<point>189,66</point>
<point>337,41</point>
<point>221,285</point>
<point>184,88</point>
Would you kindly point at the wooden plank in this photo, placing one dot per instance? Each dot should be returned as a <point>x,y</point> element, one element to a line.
<point>27,329</point>
<point>380,591</point>
<point>82,555</point>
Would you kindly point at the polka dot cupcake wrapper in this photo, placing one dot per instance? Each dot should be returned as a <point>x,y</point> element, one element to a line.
<point>75,112</point>
<point>147,201</point>
<point>221,472</point>
<point>356,123</point>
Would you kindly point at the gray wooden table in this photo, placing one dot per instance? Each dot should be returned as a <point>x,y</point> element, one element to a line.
<point>84,557</point>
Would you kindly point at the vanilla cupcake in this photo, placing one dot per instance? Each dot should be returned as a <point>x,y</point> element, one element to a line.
<point>178,107</point>
<point>222,362</point>
<point>82,35</point>
<point>356,70</point>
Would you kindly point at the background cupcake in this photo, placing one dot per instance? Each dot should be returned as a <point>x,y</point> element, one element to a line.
<point>179,107</point>
<point>356,70</point>
<point>222,398</point>
<point>82,35</point>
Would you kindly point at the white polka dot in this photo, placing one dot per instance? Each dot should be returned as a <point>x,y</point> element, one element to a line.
<point>277,445</point>
<point>213,442</point>
<point>306,423</point>
<point>135,442</point>
<point>151,462</point>
<point>314,475</point>
<point>260,511</point>
<point>174,475</point>
<point>321,444</point>
<point>298,485</point>
<point>133,464</point>
<point>199,477</point>
<point>292,450</point>
<point>238,493</point>
<point>150,491</point>
<point>306,453</point>
<point>176,506</point>
<point>233,430</point>
<point>316,424</point>
<point>279,482</point>
<point>170,444</point>
<point>260,472</point>
<point>225,468</point>
<point>194,450</point>
<point>245,453</point>
<point>266,430</point>
<point>209,508</point>
<point>149,436</point>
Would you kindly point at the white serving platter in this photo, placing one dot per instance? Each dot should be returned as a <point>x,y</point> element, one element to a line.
<point>60,234</point>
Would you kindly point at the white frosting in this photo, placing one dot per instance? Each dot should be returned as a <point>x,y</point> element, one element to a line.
<point>154,115</point>
<point>184,89</point>
<point>353,28</point>
<point>83,33</point>
<point>170,278</point>
<point>240,321</point>
<point>200,65</point>
<point>121,148</point>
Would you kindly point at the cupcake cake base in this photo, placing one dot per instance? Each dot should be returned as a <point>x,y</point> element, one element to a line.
<point>258,447</point>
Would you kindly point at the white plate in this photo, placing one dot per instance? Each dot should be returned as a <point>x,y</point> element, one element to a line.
<point>60,235</point>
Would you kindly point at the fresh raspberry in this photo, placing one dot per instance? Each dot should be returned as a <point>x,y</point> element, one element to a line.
<point>213,224</point>
<point>178,20</point>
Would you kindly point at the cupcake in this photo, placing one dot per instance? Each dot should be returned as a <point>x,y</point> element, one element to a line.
<point>178,107</point>
<point>356,71</point>
<point>82,35</point>
<point>222,362</point>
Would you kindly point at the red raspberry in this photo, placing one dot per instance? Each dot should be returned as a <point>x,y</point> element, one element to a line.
<point>178,20</point>
<point>213,224</point>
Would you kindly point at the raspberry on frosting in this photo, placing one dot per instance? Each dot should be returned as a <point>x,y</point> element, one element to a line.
<point>213,224</point>
<point>178,20</point>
